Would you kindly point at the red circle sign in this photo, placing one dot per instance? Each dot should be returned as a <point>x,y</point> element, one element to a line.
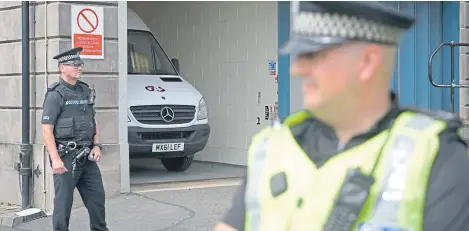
<point>90,22</point>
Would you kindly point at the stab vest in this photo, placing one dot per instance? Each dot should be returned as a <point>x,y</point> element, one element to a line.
<point>76,119</point>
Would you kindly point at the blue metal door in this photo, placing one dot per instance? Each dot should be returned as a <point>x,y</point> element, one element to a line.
<point>437,22</point>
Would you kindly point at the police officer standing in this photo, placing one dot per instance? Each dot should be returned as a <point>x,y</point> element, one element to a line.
<point>71,136</point>
<point>354,160</point>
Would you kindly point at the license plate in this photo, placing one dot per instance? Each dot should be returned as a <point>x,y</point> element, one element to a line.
<point>168,147</point>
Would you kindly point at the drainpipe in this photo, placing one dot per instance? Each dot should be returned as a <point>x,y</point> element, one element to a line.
<point>46,47</point>
<point>46,81</point>
<point>34,99</point>
<point>34,77</point>
<point>26,147</point>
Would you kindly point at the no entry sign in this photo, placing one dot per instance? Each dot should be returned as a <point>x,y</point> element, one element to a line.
<point>88,30</point>
<point>87,20</point>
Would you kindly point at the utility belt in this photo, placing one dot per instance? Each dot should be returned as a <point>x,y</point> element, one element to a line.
<point>80,153</point>
<point>70,147</point>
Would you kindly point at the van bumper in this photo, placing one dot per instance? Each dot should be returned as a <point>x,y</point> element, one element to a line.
<point>141,140</point>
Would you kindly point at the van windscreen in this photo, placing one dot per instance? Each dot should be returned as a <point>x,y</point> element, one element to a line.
<point>145,55</point>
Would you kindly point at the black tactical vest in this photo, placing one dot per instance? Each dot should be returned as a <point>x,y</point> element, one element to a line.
<point>76,119</point>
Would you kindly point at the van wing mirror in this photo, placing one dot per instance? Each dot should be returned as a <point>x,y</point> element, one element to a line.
<point>176,64</point>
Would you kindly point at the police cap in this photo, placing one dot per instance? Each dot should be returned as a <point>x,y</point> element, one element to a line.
<point>318,25</point>
<point>70,57</point>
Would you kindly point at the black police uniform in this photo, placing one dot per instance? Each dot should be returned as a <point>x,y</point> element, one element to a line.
<point>447,200</point>
<point>70,109</point>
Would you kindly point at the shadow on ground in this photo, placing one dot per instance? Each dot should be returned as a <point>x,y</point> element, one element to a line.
<point>146,171</point>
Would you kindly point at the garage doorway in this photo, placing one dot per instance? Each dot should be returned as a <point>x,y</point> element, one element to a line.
<point>202,80</point>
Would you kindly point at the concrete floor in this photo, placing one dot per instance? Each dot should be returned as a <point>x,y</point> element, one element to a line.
<point>186,201</point>
<point>173,210</point>
<point>151,171</point>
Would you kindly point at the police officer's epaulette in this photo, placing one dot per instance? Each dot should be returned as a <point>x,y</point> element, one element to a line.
<point>53,86</point>
<point>435,114</point>
<point>83,83</point>
<point>454,125</point>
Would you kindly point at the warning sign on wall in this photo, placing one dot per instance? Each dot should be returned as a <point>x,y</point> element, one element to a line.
<point>88,30</point>
<point>272,67</point>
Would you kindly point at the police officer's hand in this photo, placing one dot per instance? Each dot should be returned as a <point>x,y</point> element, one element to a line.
<point>96,153</point>
<point>58,167</point>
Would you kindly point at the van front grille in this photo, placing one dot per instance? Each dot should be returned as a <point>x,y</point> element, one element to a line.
<point>184,135</point>
<point>175,114</point>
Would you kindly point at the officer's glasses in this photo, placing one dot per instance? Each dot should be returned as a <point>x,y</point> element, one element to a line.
<point>76,65</point>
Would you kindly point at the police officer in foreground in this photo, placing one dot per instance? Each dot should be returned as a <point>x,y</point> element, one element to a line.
<point>354,160</point>
<point>71,136</point>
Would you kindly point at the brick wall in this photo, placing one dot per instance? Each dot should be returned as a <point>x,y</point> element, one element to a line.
<point>223,48</point>
<point>10,88</point>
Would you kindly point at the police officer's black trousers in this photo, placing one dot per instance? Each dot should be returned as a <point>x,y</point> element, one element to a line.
<point>89,183</point>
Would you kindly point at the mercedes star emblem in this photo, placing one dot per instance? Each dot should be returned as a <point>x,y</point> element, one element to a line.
<point>167,114</point>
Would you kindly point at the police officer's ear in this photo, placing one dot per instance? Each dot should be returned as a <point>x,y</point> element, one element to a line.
<point>371,62</point>
<point>61,66</point>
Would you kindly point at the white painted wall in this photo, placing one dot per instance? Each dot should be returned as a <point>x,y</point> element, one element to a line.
<point>296,95</point>
<point>223,48</point>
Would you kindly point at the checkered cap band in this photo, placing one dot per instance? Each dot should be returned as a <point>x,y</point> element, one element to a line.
<point>68,57</point>
<point>345,26</point>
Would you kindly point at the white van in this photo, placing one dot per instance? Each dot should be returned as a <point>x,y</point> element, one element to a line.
<point>167,116</point>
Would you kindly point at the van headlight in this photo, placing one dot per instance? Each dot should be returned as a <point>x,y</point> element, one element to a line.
<point>202,114</point>
<point>128,119</point>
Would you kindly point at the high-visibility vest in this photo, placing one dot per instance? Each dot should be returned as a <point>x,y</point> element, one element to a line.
<point>396,198</point>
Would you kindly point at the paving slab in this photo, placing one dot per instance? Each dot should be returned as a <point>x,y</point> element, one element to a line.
<point>7,212</point>
<point>124,213</point>
<point>11,229</point>
<point>172,210</point>
<point>207,204</point>
<point>12,215</point>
